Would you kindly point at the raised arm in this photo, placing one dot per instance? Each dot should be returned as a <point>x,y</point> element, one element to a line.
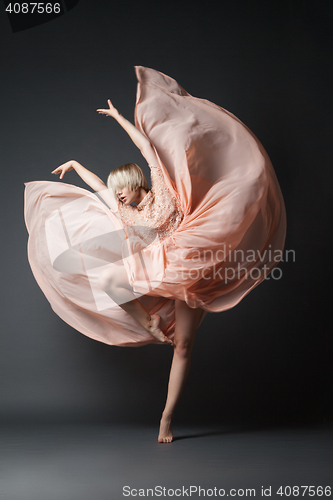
<point>89,178</point>
<point>137,137</point>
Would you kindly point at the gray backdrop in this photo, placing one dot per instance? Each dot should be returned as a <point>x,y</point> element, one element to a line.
<point>266,360</point>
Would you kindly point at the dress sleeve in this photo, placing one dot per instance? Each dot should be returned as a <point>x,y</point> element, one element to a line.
<point>158,184</point>
<point>164,201</point>
<point>165,204</point>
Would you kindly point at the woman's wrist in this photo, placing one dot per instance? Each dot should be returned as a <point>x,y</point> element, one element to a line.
<point>75,164</point>
<point>116,115</point>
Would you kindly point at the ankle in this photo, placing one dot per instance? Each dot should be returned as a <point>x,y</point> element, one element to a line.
<point>147,323</point>
<point>152,322</point>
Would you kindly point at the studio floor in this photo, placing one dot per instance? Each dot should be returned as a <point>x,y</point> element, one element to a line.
<point>104,462</point>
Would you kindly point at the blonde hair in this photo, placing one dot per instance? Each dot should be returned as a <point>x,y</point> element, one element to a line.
<point>129,175</point>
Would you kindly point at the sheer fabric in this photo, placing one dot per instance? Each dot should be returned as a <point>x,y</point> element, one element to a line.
<point>225,221</point>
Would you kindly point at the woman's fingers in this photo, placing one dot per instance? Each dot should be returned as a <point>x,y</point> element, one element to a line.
<point>107,112</point>
<point>103,111</point>
<point>60,171</point>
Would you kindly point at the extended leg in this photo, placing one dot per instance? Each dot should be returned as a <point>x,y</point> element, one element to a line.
<point>114,282</point>
<point>187,321</point>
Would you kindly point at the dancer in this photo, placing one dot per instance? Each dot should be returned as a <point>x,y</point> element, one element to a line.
<point>211,228</point>
<point>130,186</point>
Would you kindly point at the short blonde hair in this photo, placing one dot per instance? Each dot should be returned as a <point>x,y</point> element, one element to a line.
<point>129,175</point>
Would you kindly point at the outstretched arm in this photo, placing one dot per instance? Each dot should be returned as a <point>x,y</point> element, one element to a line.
<point>137,137</point>
<point>89,178</point>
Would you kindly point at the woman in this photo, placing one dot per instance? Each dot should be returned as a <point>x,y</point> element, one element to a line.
<point>211,229</point>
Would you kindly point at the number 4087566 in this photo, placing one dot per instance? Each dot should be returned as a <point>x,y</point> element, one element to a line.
<point>33,8</point>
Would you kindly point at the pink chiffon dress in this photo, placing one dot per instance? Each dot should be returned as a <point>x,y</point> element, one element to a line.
<point>211,228</point>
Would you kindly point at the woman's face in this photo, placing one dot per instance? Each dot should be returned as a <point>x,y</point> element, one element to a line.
<point>127,196</point>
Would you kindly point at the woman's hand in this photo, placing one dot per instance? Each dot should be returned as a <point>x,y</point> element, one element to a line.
<point>137,137</point>
<point>112,111</point>
<point>91,179</point>
<point>65,167</point>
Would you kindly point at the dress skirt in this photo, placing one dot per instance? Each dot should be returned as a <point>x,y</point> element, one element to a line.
<point>230,239</point>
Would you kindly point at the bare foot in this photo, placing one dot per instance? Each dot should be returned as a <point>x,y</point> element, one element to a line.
<point>165,434</point>
<point>154,329</point>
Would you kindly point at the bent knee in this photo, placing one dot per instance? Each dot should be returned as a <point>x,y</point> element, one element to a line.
<point>105,280</point>
<point>183,348</point>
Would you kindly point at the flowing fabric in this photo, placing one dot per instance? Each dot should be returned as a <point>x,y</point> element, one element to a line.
<point>231,236</point>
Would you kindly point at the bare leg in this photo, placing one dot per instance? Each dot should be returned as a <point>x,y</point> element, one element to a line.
<point>187,321</point>
<point>114,282</point>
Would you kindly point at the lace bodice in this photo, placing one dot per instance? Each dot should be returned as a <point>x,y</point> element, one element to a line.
<point>158,209</point>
